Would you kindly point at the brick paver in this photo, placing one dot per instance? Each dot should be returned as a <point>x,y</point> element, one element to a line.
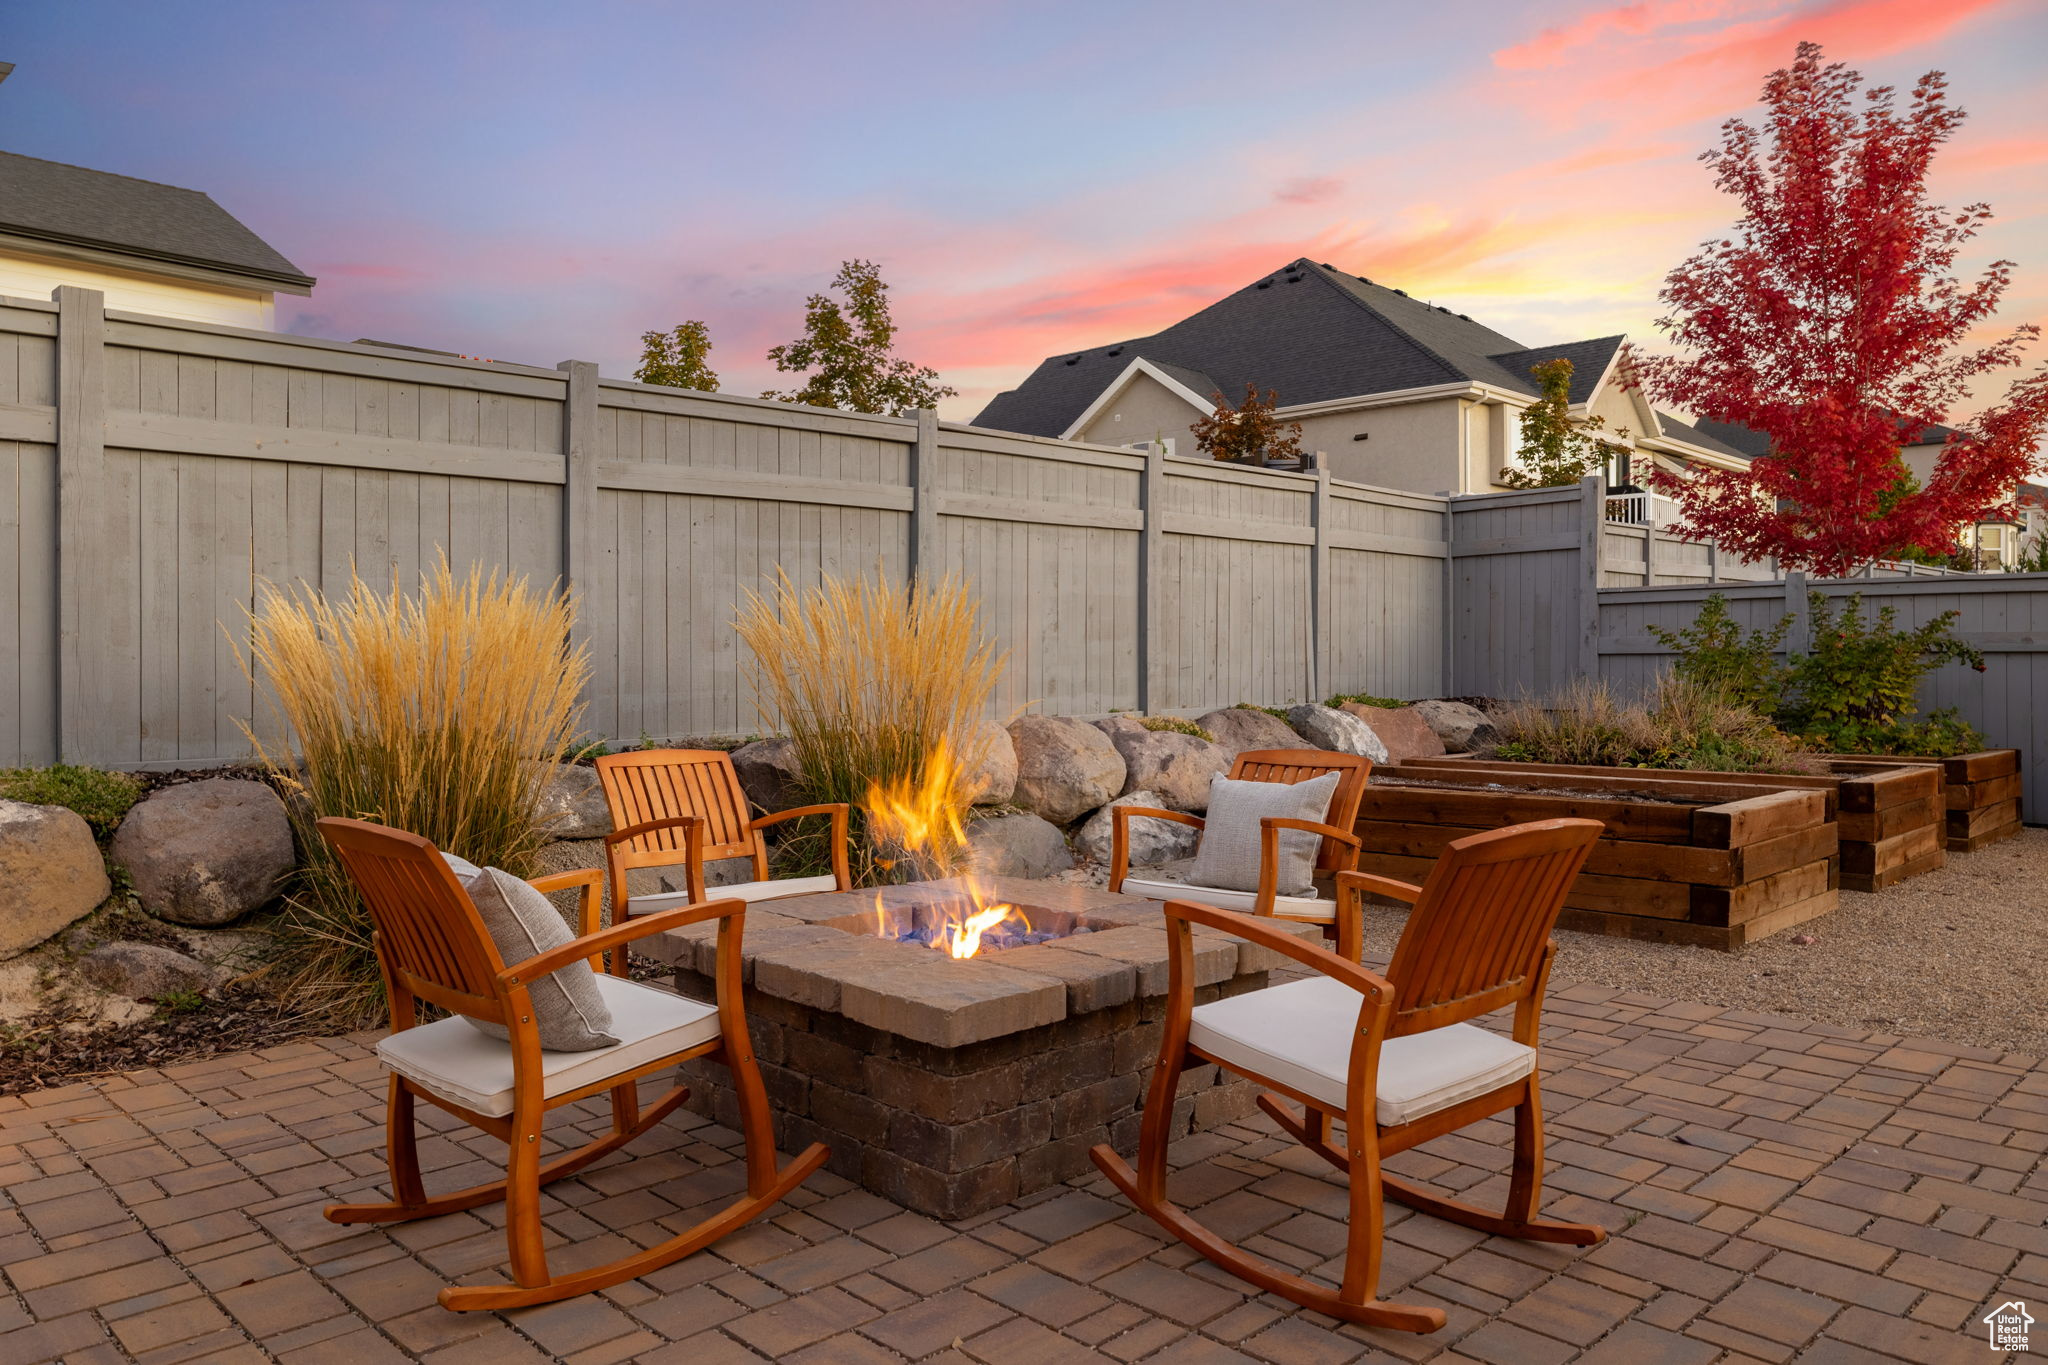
<point>1777,1190</point>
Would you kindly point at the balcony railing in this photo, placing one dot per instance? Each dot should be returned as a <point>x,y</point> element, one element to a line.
<point>1641,509</point>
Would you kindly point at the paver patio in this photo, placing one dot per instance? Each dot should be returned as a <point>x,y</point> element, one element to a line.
<point>1778,1190</point>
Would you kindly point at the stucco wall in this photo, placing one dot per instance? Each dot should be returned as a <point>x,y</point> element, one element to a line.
<point>1412,446</point>
<point>1146,408</point>
<point>26,276</point>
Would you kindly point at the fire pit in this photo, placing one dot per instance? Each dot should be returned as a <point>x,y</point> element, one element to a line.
<point>953,1084</point>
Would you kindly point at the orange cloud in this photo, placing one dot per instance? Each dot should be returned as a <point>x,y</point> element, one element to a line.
<point>1552,45</point>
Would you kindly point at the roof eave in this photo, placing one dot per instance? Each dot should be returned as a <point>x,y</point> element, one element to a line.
<point>288,282</point>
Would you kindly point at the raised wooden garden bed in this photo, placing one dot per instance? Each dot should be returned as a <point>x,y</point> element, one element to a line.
<point>1980,795</point>
<point>1713,864</point>
<point>1889,813</point>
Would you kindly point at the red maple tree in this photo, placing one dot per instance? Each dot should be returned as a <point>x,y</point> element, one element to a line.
<point>1829,321</point>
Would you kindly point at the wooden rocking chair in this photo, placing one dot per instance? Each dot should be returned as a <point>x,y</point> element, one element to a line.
<point>433,946</point>
<point>1390,1056</point>
<point>686,806</point>
<point>1338,853</point>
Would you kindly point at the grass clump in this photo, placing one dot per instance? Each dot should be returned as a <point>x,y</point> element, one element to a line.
<point>439,713</point>
<point>1176,725</point>
<point>1682,726</point>
<point>1365,699</point>
<point>1277,712</point>
<point>101,797</point>
<point>883,691</point>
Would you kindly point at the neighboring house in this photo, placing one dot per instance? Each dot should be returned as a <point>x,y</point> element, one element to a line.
<point>1389,390</point>
<point>2000,540</point>
<point>150,248</point>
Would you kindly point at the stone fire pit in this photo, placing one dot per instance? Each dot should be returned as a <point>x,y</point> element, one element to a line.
<point>953,1085</point>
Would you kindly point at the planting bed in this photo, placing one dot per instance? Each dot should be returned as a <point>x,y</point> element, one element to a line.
<point>1714,864</point>
<point>1888,813</point>
<point>1980,799</point>
<point>952,1086</point>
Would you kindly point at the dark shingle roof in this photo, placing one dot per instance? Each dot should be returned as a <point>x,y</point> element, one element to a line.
<point>53,202</point>
<point>1754,444</point>
<point>1700,436</point>
<point>1308,331</point>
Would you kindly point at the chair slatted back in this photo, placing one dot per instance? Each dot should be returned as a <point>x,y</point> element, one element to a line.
<point>661,784</point>
<point>1476,937</point>
<point>430,940</point>
<point>1302,765</point>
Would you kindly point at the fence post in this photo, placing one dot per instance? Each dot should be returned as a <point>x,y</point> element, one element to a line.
<point>1713,562</point>
<point>1319,592</point>
<point>1448,686</point>
<point>579,485</point>
<point>1151,588</point>
<point>924,495</point>
<point>84,605</point>
<point>1798,639</point>
<point>1592,531</point>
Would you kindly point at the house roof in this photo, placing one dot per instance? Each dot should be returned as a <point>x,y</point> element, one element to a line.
<point>71,205</point>
<point>1308,331</point>
<point>1706,435</point>
<point>1753,443</point>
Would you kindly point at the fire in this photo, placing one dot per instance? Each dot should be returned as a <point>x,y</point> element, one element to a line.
<point>920,819</point>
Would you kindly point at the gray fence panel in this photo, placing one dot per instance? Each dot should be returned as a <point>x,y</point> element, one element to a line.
<point>28,532</point>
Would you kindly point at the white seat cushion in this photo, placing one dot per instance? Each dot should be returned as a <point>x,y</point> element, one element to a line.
<point>464,1066</point>
<point>1300,1035</point>
<point>1294,907</point>
<point>749,892</point>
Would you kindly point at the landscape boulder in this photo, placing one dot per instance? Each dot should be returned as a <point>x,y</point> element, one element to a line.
<point>1340,731</point>
<point>1463,728</point>
<point>572,804</point>
<point>1122,723</point>
<point>1017,845</point>
<point>1238,728</point>
<point>1401,729</point>
<point>206,853</point>
<point>1065,767</point>
<point>1153,840</point>
<point>144,971</point>
<point>770,774</point>
<point>51,873</point>
<point>1177,768</point>
<point>992,780</point>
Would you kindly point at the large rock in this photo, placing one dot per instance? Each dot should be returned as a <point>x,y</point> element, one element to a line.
<point>770,774</point>
<point>1238,728</point>
<point>1177,768</point>
<point>1119,724</point>
<point>1338,730</point>
<point>206,853</point>
<point>572,804</point>
<point>1019,845</point>
<point>992,779</point>
<point>1152,840</point>
<point>1462,728</point>
<point>144,971</point>
<point>51,873</point>
<point>1065,767</point>
<point>1401,729</point>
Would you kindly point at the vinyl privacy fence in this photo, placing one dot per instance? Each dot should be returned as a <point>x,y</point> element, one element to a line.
<point>154,473</point>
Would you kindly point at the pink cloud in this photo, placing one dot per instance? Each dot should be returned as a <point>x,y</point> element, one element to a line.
<point>1553,45</point>
<point>1306,189</point>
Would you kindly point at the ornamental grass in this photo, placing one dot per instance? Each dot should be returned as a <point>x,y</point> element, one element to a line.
<point>440,712</point>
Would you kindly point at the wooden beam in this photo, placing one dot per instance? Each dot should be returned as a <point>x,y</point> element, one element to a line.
<point>705,481</point>
<point>338,449</point>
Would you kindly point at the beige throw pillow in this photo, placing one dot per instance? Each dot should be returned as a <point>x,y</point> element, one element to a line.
<point>1228,857</point>
<point>567,1008</point>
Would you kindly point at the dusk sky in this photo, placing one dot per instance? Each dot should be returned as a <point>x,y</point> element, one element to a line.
<point>537,182</point>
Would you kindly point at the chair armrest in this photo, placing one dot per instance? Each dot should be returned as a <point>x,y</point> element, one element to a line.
<point>1254,929</point>
<point>1271,825</point>
<point>1351,892</point>
<point>1374,884</point>
<point>1120,818</point>
<point>682,822</point>
<point>593,945</point>
<point>589,908</point>
<point>839,811</point>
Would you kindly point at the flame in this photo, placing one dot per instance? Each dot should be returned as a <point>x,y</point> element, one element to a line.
<point>920,818</point>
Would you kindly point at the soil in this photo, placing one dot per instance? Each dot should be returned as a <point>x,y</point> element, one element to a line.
<point>57,1045</point>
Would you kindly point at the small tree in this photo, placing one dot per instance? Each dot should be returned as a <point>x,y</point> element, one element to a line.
<point>1556,448</point>
<point>679,359</point>
<point>1829,321</point>
<point>846,350</point>
<point>1249,431</point>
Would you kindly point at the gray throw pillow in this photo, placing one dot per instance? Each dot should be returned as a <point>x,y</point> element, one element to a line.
<point>567,1007</point>
<point>1228,857</point>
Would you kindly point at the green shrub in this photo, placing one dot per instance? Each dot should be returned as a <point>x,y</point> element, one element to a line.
<point>1714,653</point>
<point>96,794</point>
<point>1177,726</point>
<point>1366,699</point>
<point>1858,683</point>
<point>1941,734</point>
<point>1277,712</point>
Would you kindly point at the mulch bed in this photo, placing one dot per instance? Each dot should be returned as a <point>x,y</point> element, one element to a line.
<point>50,1049</point>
